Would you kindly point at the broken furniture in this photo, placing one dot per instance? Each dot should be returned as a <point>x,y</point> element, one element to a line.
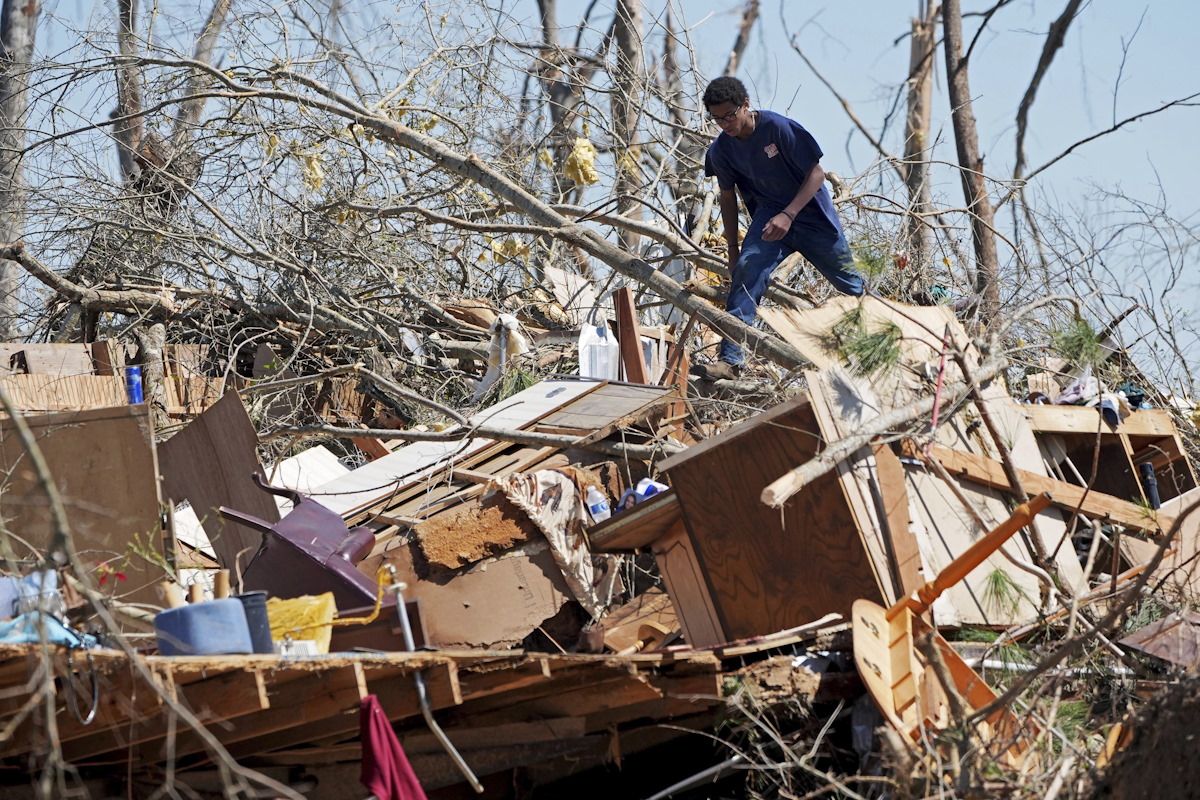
<point>735,568</point>
<point>903,678</point>
<point>309,551</point>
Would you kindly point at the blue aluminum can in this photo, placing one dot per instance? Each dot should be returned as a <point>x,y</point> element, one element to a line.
<point>133,385</point>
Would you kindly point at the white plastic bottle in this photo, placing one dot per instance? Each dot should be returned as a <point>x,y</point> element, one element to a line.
<point>597,504</point>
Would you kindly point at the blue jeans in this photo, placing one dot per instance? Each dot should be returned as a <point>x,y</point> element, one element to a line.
<point>827,250</point>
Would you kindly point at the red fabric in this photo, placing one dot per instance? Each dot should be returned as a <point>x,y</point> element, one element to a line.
<point>385,769</point>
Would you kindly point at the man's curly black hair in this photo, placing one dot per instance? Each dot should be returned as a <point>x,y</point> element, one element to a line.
<point>725,90</point>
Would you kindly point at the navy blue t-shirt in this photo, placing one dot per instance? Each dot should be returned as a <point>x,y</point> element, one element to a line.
<point>768,168</point>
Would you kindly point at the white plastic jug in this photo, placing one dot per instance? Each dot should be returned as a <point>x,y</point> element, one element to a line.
<point>599,353</point>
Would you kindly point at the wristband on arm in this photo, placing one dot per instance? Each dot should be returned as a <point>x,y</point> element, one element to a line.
<point>791,216</point>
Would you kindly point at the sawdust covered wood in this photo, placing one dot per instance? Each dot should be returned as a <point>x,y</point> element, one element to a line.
<point>473,531</point>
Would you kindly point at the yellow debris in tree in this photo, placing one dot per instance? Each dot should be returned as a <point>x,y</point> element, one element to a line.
<point>581,164</point>
<point>628,160</point>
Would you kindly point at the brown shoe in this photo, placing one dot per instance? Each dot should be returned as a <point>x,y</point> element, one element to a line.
<point>719,371</point>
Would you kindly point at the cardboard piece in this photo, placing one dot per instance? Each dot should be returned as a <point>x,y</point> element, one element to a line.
<point>103,464</point>
<point>209,464</point>
<point>493,604</point>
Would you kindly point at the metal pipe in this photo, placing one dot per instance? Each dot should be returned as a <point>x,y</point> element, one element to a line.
<point>712,773</point>
<point>423,697</point>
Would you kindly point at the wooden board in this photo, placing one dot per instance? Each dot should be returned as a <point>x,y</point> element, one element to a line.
<point>1081,419</point>
<point>636,528</point>
<point>1094,504</point>
<point>57,359</point>
<point>209,464</point>
<point>841,404</point>
<point>633,364</point>
<point>45,393</point>
<point>904,551</point>
<point>688,588</point>
<point>769,569</point>
<point>103,464</point>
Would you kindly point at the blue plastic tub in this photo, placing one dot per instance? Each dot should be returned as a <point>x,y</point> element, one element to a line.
<point>214,627</point>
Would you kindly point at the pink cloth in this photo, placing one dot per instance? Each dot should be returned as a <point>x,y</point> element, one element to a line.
<point>385,769</point>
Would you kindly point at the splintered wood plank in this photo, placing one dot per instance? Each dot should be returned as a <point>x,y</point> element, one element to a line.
<point>678,696</point>
<point>1097,505</point>
<point>397,693</point>
<point>209,464</point>
<point>769,569</point>
<point>313,697</point>
<point>905,551</point>
<point>227,696</point>
<point>629,337</point>
<point>637,527</point>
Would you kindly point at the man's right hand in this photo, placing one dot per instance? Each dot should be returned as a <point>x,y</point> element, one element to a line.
<point>734,255</point>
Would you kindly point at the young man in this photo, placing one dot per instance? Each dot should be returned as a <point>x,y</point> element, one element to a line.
<point>775,164</point>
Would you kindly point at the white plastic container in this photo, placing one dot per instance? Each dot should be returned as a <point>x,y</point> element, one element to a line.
<point>599,352</point>
<point>597,505</point>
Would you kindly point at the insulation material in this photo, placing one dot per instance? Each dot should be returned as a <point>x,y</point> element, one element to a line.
<point>308,617</point>
<point>555,504</point>
<point>473,531</point>
<point>581,164</point>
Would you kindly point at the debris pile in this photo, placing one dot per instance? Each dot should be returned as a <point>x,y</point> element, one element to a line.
<point>468,587</point>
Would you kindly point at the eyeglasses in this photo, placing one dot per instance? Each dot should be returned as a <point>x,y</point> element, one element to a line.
<point>725,117</point>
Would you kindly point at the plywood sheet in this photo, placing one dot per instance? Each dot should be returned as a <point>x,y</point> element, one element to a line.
<point>57,359</point>
<point>209,464</point>
<point>44,393</point>
<point>373,482</point>
<point>770,569</point>
<point>104,467</point>
<point>950,529</point>
<point>841,405</point>
<point>922,330</point>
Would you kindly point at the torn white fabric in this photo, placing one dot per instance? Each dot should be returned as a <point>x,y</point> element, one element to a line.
<point>555,504</point>
<point>507,341</point>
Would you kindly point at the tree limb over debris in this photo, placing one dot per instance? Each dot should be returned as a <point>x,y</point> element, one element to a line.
<point>778,491</point>
<point>464,428</point>
<point>129,301</point>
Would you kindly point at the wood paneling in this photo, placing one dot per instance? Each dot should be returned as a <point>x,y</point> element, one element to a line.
<point>769,569</point>
<point>103,464</point>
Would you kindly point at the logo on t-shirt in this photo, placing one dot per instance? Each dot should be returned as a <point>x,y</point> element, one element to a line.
<point>771,150</point>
